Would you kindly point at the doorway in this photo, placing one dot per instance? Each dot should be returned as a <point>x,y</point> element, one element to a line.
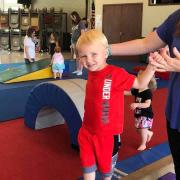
<point>122,22</point>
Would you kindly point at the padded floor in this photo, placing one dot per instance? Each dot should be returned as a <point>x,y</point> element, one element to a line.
<point>14,72</point>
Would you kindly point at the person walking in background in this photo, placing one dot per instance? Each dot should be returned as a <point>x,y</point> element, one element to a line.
<point>29,46</point>
<point>57,63</point>
<point>52,43</point>
<point>85,20</point>
<point>104,103</point>
<point>143,111</point>
<point>78,27</point>
<point>168,33</point>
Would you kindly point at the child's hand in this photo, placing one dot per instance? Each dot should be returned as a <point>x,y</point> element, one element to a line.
<point>134,106</point>
<point>156,60</point>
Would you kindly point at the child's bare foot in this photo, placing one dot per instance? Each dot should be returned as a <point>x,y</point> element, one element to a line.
<point>141,148</point>
<point>150,134</point>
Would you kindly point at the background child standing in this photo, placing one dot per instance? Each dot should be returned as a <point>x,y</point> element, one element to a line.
<point>52,43</point>
<point>143,111</point>
<point>57,63</point>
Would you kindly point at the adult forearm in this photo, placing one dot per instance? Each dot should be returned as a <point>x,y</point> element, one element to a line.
<point>139,46</point>
<point>133,47</point>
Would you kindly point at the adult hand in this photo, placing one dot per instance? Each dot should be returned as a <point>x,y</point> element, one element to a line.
<point>172,64</point>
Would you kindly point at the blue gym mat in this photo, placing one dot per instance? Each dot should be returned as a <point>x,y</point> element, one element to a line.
<point>144,158</point>
<point>139,160</point>
<point>4,67</point>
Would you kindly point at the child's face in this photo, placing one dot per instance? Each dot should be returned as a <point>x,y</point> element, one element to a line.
<point>93,56</point>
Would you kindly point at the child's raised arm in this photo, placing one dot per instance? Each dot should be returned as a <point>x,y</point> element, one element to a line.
<point>142,80</point>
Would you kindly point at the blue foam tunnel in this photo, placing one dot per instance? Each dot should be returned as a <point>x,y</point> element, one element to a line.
<point>52,103</point>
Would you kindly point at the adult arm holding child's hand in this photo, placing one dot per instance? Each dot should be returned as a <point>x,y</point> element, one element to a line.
<point>172,64</point>
<point>164,62</point>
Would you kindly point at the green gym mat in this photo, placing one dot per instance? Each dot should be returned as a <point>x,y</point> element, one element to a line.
<point>14,72</point>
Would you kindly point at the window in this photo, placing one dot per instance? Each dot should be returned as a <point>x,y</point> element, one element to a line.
<point>163,2</point>
<point>5,4</point>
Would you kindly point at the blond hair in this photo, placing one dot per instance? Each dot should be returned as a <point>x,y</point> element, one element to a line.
<point>152,84</point>
<point>91,37</point>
